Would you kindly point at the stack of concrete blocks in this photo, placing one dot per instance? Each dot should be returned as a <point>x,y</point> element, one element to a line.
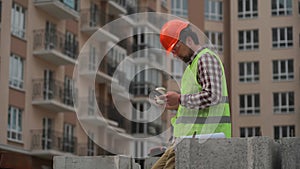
<point>149,162</point>
<point>290,153</point>
<point>95,162</point>
<point>235,153</point>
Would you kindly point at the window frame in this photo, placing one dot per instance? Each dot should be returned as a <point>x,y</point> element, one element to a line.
<point>280,129</point>
<point>276,10</point>
<point>246,44</point>
<point>214,39</point>
<point>277,42</point>
<point>18,20</point>
<point>251,13</point>
<point>247,109</point>
<point>252,77</point>
<point>277,65</point>
<point>17,130</point>
<point>212,10</point>
<point>177,69</point>
<point>180,9</point>
<point>16,72</point>
<point>247,131</point>
<point>279,109</point>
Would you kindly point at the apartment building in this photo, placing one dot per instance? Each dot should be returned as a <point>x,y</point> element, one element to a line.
<point>258,42</point>
<point>265,68</point>
<point>40,42</point>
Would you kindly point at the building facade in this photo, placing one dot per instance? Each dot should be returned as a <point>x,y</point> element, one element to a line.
<point>40,42</point>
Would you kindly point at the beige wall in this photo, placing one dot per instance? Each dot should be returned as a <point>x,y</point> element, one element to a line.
<point>265,54</point>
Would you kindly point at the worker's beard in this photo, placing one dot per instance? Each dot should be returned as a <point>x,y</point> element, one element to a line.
<point>187,58</point>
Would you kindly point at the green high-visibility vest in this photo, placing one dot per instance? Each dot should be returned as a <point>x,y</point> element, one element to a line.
<point>214,119</point>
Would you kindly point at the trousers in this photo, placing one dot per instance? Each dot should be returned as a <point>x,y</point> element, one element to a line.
<point>167,160</point>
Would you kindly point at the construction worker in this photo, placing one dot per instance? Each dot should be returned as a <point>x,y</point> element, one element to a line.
<point>202,104</point>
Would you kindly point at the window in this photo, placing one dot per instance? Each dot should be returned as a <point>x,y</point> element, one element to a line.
<point>68,91</point>
<point>69,139</point>
<point>71,45</point>
<point>213,10</point>
<point>16,72</point>
<point>177,69</point>
<point>18,21</point>
<point>139,148</point>
<point>90,144</point>
<point>283,102</point>
<point>73,4</point>
<point>283,70</point>
<point>249,104</point>
<point>216,38</point>
<point>91,102</point>
<point>92,59</point>
<point>284,131</point>
<point>180,8</point>
<point>48,136</point>
<point>49,85</point>
<point>247,8</point>
<point>249,71</point>
<point>14,125</point>
<point>250,131</point>
<point>248,40</point>
<point>282,7</point>
<point>282,37</point>
<point>116,56</point>
<point>51,36</point>
<point>94,12</point>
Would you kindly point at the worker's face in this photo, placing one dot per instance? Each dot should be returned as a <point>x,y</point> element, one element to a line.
<point>182,51</point>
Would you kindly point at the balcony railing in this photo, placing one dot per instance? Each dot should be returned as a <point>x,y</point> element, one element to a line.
<point>91,21</point>
<point>141,88</point>
<point>151,18</point>
<point>86,150</point>
<point>55,47</point>
<point>52,140</point>
<point>111,113</point>
<point>62,9</point>
<point>52,94</point>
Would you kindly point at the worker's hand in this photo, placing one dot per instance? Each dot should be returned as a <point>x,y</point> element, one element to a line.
<point>172,100</point>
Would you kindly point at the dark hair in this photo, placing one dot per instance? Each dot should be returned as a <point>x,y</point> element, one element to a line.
<point>188,32</point>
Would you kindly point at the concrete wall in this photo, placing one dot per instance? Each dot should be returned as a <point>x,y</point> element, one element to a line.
<point>234,153</point>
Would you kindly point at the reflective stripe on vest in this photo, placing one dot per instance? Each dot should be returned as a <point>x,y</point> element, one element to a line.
<point>203,120</point>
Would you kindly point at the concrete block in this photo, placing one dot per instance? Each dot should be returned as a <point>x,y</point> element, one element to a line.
<point>149,162</point>
<point>94,162</point>
<point>234,153</point>
<point>290,153</point>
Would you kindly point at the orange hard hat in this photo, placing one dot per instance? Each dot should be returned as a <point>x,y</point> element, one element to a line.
<point>169,33</point>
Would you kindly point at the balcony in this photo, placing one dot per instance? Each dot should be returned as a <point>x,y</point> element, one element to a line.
<point>149,18</point>
<point>88,69</point>
<point>87,150</point>
<point>88,113</point>
<point>52,95</point>
<point>62,9</point>
<point>92,21</point>
<point>117,7</point>
<point>49,143</point>
<point>54,47</point>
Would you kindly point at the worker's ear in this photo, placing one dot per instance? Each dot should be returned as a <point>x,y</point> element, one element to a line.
<point>189,41</point>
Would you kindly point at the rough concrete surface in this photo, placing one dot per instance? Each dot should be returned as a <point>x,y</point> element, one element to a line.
<point>234,153</point>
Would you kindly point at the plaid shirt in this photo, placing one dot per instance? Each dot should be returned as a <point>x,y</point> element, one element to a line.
<point>209,77</point>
